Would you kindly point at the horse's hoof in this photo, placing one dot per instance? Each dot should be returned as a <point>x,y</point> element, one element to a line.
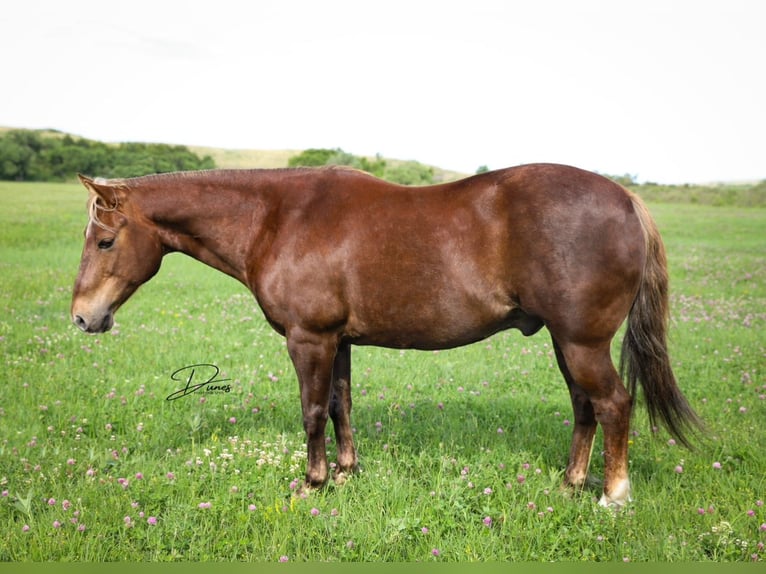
<point>589,483</point>
<point>619,497</point>
<point>340,478</point>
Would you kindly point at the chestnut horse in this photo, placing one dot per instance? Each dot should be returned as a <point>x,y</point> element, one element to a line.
<point>337,257</point>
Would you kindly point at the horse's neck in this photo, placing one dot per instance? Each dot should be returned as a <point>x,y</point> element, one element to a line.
<point>212,226</point>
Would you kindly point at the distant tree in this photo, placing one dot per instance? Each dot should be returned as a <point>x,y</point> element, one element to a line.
<point>316,157</point>
<point>409,173</point>
<point>29,155</point>
<point>313,157</point>
<point>375,167</point>
<point>341,157</point>
<point>18,151</point>
<point>482,169</point>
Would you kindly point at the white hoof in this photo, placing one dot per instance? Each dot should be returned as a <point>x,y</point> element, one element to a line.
<point>619,497</point>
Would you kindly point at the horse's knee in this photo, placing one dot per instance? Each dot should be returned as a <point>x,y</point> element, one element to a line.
<point>315,420</point>
<point>614,408</point>
<point>613,413</point>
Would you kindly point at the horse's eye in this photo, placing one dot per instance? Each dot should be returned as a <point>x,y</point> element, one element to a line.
<point>106,243</point>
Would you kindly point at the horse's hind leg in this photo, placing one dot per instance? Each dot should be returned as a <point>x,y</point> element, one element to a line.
<point>584,427</point>
<point>591,369</point>
<point>340,413</point>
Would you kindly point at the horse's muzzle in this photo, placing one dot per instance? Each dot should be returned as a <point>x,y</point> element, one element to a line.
<point>94,325</point>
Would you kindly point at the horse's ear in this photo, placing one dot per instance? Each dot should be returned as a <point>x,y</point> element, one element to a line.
<point>102,188</point>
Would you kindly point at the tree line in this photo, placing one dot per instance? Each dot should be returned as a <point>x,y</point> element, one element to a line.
<point>402,172</point>
<point>30,155</point>
<point>27,155</point>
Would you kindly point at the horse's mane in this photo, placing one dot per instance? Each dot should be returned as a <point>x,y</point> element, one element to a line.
<point>227,173</point>
<point>97,204</point>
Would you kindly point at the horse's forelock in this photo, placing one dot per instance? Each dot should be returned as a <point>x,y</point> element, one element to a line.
<point>96,205</point>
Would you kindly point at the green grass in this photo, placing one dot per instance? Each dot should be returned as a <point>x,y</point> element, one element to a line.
<point>462,451</point>
<point>719,195</point>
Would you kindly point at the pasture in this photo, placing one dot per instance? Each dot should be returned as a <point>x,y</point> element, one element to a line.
<point>462,451</point>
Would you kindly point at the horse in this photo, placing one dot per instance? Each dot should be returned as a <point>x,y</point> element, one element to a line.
<point>336,257</point>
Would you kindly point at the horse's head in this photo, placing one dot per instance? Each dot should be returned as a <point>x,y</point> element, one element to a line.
<point>122,251</point>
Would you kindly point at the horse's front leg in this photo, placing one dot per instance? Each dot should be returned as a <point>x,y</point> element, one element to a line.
<point>313,356</point>
<point>340,413</point>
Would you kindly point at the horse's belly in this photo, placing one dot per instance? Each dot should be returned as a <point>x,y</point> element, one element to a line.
<point>428,325</point>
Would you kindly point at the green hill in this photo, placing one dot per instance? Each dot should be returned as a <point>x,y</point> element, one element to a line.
<point>234,158</point>
<point>246,158</point>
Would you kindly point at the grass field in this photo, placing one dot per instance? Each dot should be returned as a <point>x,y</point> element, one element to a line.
<point>462,451</point>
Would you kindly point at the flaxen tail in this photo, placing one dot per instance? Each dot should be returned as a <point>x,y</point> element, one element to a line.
<point>644,356</point>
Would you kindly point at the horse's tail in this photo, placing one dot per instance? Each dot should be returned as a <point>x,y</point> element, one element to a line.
<point>644,348</point>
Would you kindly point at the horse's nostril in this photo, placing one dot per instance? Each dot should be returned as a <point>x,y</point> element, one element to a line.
<point>80,322</point>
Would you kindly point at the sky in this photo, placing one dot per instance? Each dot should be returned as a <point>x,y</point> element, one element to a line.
<point>669,91</point>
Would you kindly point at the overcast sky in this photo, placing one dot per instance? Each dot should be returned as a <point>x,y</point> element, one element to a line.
<point>670,91</point>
